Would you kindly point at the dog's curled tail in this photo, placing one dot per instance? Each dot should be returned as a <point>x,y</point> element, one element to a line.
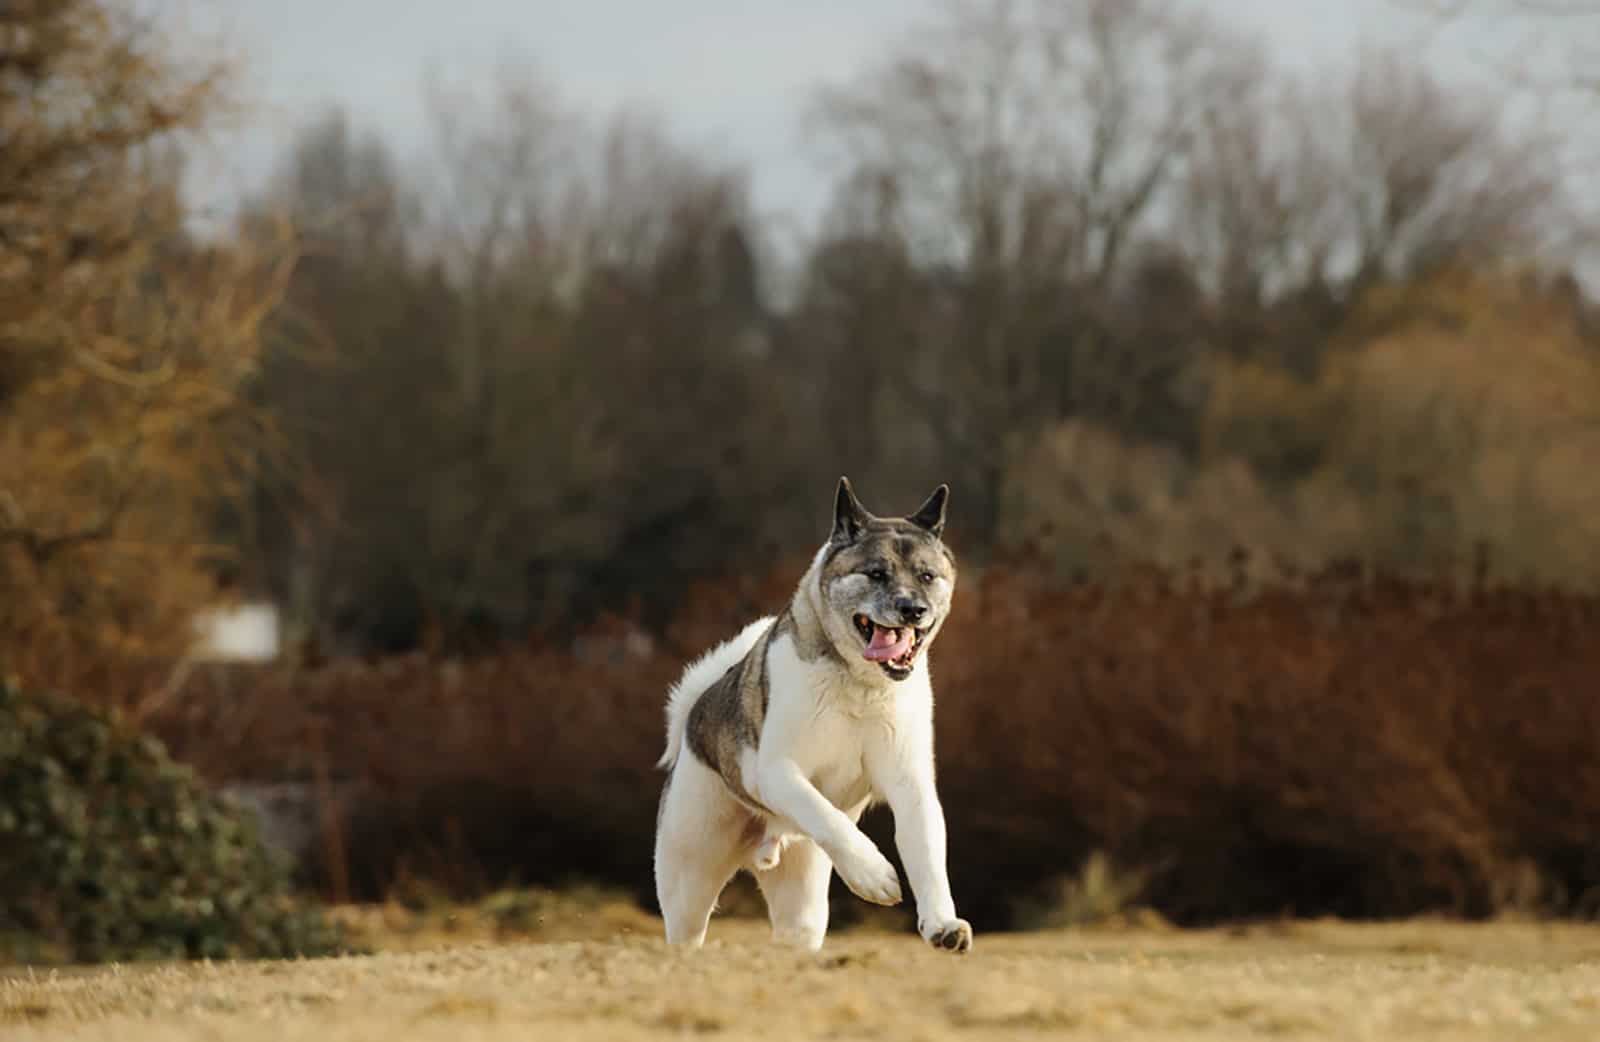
<point>701,674</point>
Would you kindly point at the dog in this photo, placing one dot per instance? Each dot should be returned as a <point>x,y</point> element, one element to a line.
<point>779,739</point>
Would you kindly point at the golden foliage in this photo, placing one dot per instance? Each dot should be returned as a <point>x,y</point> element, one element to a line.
<point>123,345</point>
<point>1463,416</point>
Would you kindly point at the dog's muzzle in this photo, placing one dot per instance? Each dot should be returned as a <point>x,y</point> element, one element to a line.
<point>893,648</point>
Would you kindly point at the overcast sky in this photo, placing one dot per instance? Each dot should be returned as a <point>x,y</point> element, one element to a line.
<point>729,75</point>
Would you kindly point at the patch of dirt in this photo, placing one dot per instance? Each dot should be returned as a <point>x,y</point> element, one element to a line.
<point>1291,981</point>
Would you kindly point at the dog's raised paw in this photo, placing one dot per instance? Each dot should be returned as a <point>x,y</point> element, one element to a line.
<point>954,935</point>
<point>870,876</point>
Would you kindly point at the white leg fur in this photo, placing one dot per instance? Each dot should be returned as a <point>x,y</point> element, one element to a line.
<point>796,892</point>
<point>699,846</point>
<point>864,869</point>
<point>900,761</point>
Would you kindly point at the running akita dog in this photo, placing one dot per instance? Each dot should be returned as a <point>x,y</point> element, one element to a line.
<point>780,738</point>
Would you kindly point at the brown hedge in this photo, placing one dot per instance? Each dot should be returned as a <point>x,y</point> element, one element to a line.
<point>1339,744</point>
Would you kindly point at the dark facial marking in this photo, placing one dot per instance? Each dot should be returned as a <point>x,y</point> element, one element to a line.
<point>889,551</point>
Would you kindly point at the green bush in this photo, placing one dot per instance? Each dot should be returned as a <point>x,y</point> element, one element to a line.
<point>111,851</point>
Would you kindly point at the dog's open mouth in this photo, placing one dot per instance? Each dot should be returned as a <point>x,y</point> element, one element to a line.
<point>893,648</point>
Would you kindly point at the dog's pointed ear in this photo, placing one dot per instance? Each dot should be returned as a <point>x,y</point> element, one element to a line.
<point>849,516</point>
<point>931,514</point>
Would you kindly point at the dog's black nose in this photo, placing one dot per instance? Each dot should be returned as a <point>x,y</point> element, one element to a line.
<point>910,611</point>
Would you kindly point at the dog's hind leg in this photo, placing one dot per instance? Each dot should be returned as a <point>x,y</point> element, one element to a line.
<point>796,891</point>
<point>699,841</point>
<point>688,891</point>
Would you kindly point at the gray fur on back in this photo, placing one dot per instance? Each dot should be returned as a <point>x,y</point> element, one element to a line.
<point>727,718</point>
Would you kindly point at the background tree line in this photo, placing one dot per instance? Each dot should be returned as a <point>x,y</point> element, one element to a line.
<point>1135,290</point>
<point>1102,265</point>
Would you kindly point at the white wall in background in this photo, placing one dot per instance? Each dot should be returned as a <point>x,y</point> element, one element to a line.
<point>245,633</point>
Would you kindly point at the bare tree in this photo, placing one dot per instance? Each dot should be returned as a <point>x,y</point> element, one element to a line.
<point>522,368</point>
<point>355,307</point>
<point>1384,175</point>
<point>1550,44</point>
<point>1430,175</point>
<point>1028,148</point>
<point>1543,54</point>
<point>606,277</point>
<point>1037,133</point>
<point>1257,215</point>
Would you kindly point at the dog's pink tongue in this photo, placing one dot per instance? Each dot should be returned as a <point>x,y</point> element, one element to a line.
<point>887,644</point>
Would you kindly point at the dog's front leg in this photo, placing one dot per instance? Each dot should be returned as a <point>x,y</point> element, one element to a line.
<point>900,761</point>
<point>862,866</point>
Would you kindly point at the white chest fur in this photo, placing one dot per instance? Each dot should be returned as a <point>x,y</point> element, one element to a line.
<point>822,716</point>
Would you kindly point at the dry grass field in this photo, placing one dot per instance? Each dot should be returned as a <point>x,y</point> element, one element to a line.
<point>601,973</point>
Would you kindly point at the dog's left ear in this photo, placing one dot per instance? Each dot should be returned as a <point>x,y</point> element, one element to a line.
<point>931,514</point>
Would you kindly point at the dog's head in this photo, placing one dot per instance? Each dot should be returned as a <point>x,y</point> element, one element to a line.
<point>886,583</point>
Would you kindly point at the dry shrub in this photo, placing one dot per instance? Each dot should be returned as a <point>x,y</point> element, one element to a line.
<point>1337,744</point>
<point>111,852</point>
<point>1100,893</point>
<point>1462,413</point>
<point>1334,745</point>
<point>533,765</point>
<point>1096,500</point>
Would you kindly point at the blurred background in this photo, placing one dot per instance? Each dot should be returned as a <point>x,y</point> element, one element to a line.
<point>393,399</point>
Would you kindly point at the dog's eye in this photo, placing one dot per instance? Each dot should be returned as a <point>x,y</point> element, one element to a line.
<point>926,577</point>
<point>878,575</point>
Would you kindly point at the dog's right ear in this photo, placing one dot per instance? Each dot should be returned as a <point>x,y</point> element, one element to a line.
<point>849,516</point>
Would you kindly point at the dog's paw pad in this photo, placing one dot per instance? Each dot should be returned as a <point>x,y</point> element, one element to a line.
<point>953,936</point>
